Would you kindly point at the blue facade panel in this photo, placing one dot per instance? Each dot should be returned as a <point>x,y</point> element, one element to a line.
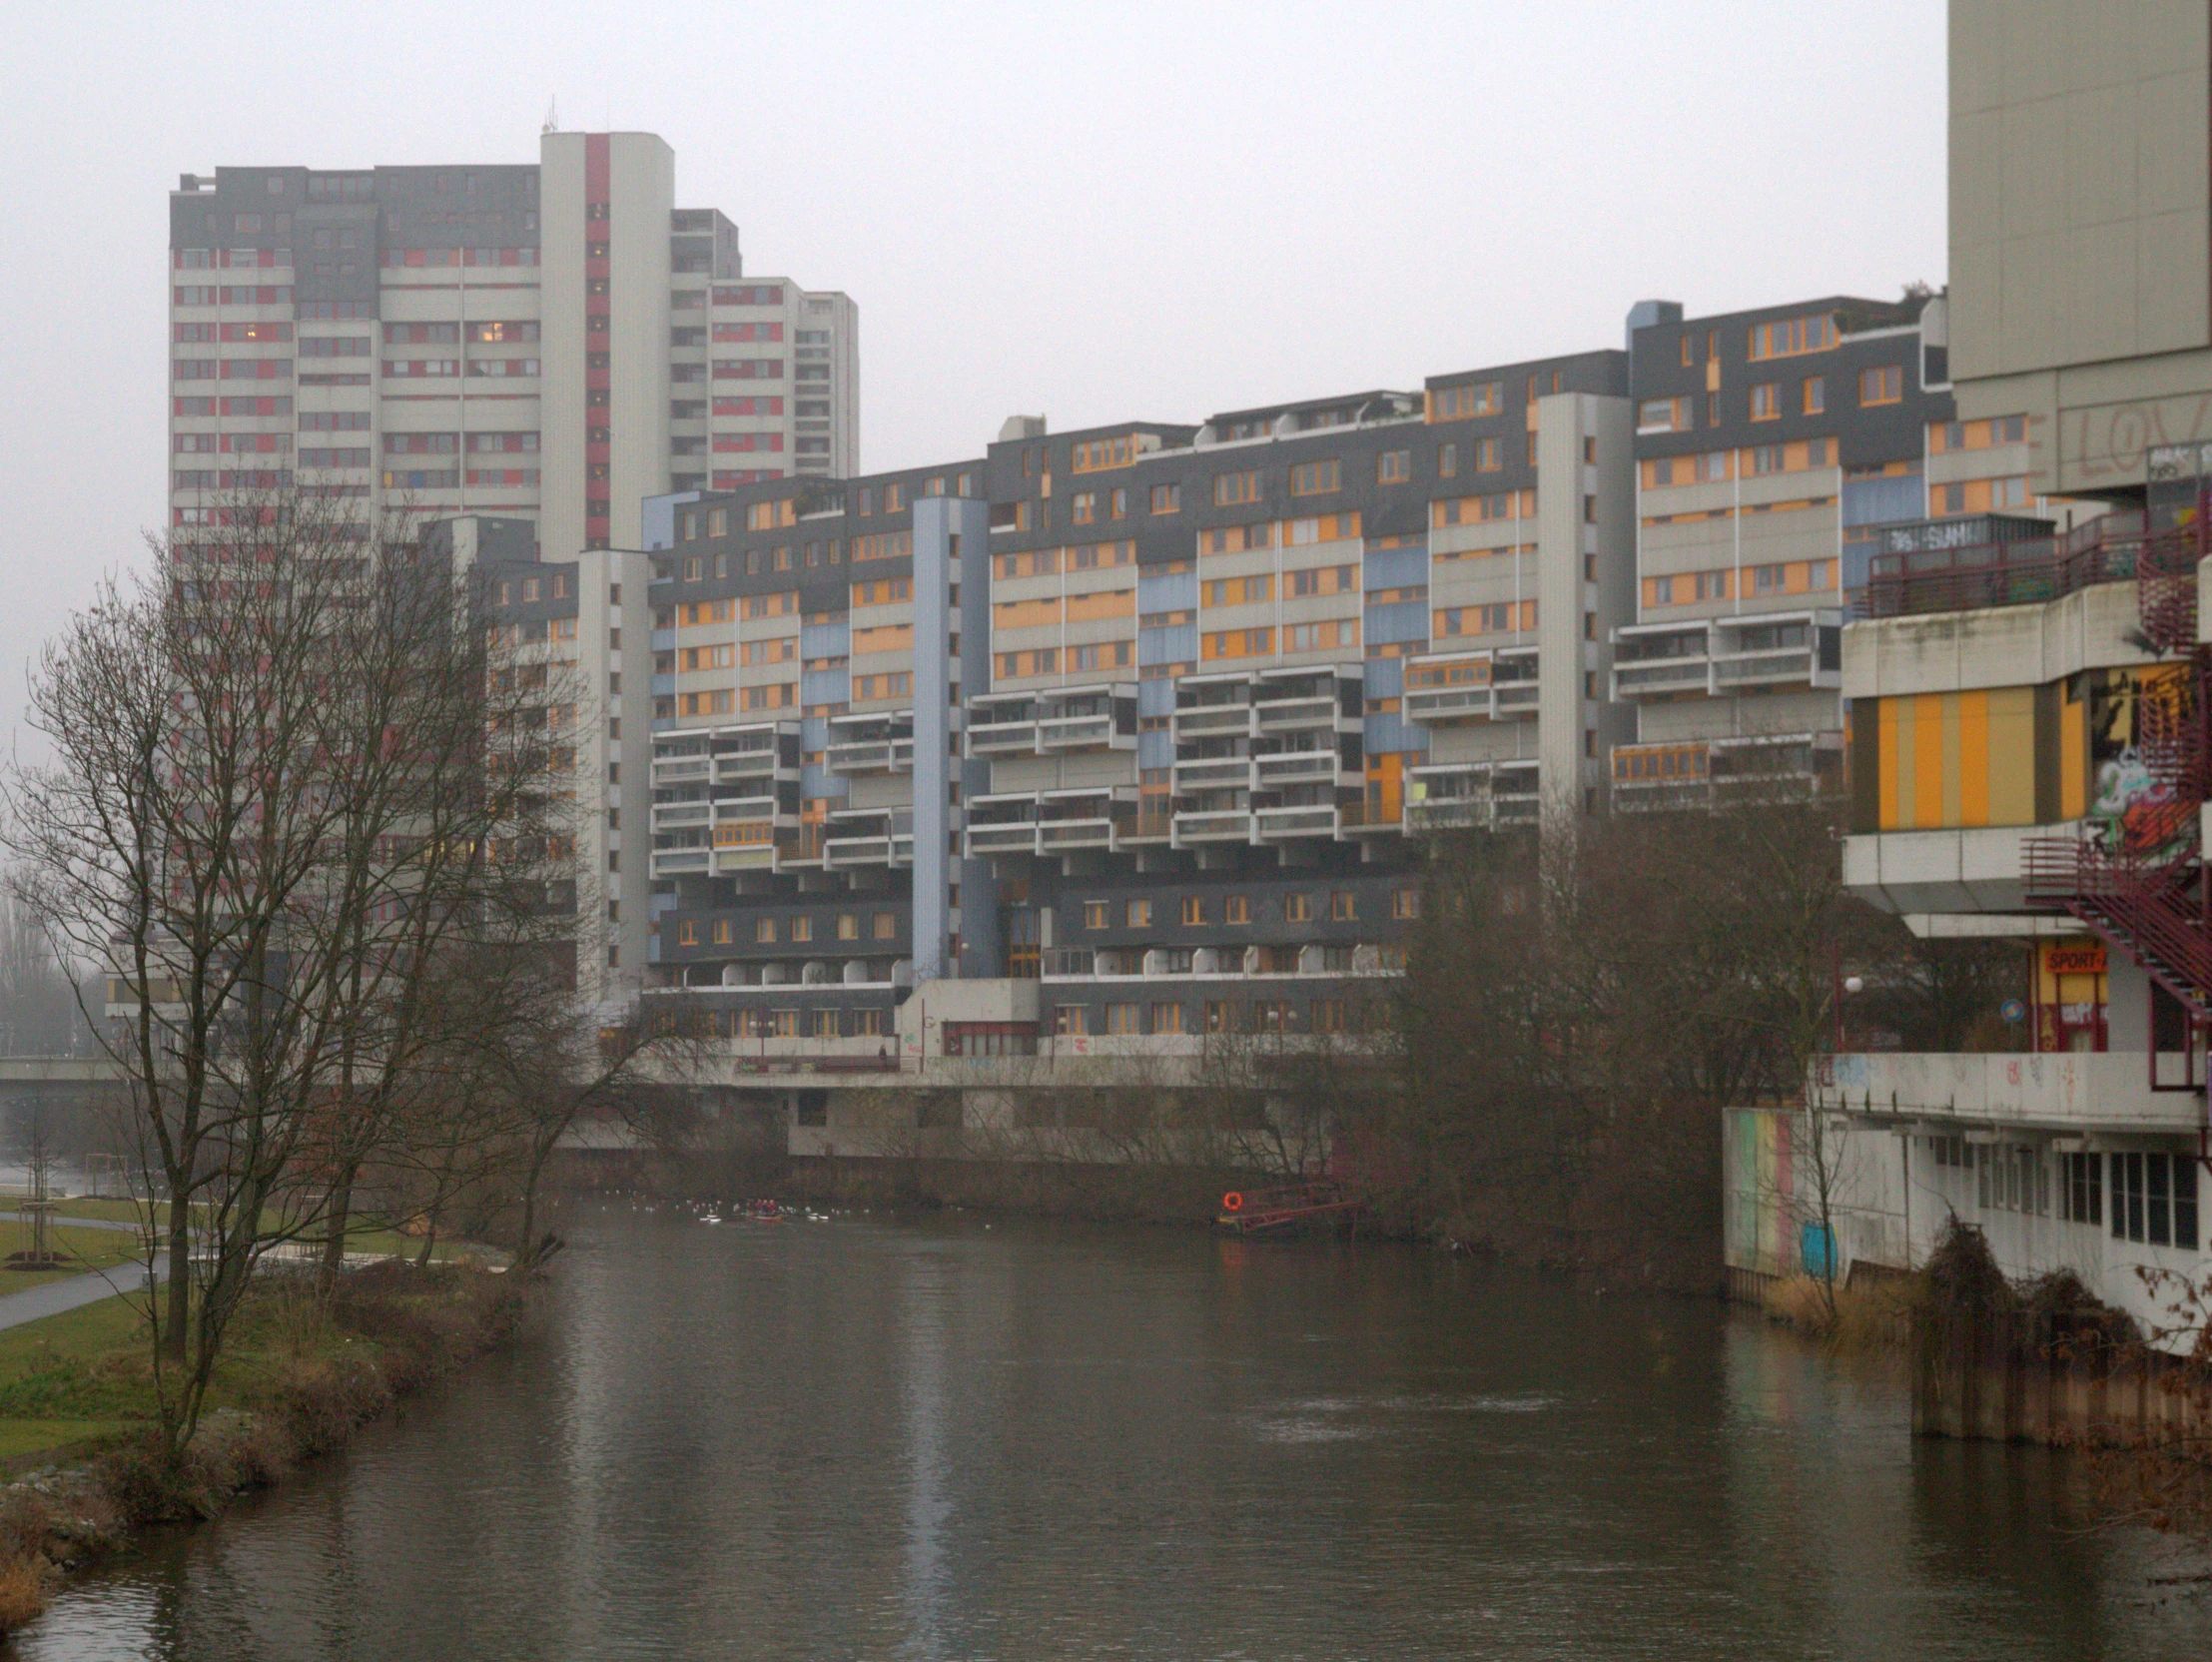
<point>1396,568</point>
<point>1172,644</point>
<point>1388,733</point>
<point>1401,620</point>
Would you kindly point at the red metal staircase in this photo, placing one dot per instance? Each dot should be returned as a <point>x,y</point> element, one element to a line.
<point>2141,886</point>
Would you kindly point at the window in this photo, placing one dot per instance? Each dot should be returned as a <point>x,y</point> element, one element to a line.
<point>1883,386</point>
<point>1343,906</point>
<point>1457,404</point>
<point>2154,1199</point>
<point>1792,334</point>
<point>1310,478</point>
<point>1167,499</point>
<point>1767,400</point>
<point>1139,914</point>
<point>687,933</point>
<point>1393,466</point>
<point>1489,454</point>
<point>764,930</point>
<point>1193,910</point>
<point>2081,1188</point>
<point>1236,909</point>
<point>1230,490</point>
<point>1095,913</point>
<point>1663,415</point>
<point>1405,903</point>
<point>1815,394</point>
<point>1125,1018</point>
<point>802,929</point>
<point>1297,908</point>
<point>1072,1020</point>
<point>1447,461</point>
<point>1768,458</point>
<point>887,926</point>
<point>1085,507</point>
<point>848,925</point>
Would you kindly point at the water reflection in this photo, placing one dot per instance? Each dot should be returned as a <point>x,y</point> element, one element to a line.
<point>943,1439</point>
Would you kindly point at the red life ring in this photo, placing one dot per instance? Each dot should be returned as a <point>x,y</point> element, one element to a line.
<point>1232,1202</point>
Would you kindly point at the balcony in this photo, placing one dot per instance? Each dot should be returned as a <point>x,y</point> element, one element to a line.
<point>1002,837</point>
<point>1515,697</point>
<point>1278,715</point>
<point>681,770</point>
<point>1220,826</point>
<point>1918,570</point>
<point>1001,738</point>
<point>1296,767</point>
<point>870,756</point>
<point>1214,774</point>
<point>1213,721</point>
<point>1662,661</point>
<point>1056,836</point>
<point>2072,1092</point>
<point>1278,824</point>
<point>677,862</point>
<point>1056,734</point>
<point>673,816</point>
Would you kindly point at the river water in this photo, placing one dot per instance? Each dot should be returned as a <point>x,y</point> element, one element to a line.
<point>952,1438</point>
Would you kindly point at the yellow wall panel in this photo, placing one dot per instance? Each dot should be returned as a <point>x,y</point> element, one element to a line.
<point>1972,789</point>
<point>2012,776</point>
<point>1927,760</point>
<point>1111,603</point>
<point>1025,614</point>
<point>1890,762</point>
<point>2073,757</point>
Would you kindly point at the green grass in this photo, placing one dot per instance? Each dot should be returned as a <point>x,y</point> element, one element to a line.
<point>83,1252</point>
<point>383,1243</point>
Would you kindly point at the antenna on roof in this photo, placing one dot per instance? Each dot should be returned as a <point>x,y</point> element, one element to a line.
<point>553,115</point>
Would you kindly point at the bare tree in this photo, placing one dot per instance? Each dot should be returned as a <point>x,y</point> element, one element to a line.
<point>290,784</point>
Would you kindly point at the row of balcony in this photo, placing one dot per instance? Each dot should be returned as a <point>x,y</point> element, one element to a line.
<point>1215,963</point>
<point>1058,721</point>
<point>1497,685</point>
<point>1717,656</point>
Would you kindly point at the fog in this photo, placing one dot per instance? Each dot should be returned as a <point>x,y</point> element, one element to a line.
<point>1095,212</point>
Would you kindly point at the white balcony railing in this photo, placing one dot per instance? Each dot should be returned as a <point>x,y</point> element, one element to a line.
<point>2074,1091</point>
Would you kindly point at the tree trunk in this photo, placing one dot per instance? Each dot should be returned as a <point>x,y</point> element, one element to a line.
<point>180,1278</point>
<point>333,1246</point>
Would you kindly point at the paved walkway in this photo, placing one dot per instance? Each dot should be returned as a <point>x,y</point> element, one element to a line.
<point>36,1304</point>
<point>64,1220</point>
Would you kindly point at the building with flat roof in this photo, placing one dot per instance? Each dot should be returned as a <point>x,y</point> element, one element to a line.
<point>551,341</point>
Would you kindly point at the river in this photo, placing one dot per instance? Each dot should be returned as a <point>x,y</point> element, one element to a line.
<point>948,1438</point>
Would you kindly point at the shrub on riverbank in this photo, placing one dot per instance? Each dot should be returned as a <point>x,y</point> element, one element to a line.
<point>303,1375</point>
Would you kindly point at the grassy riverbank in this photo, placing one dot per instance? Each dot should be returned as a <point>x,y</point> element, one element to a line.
<point>77,1399</point>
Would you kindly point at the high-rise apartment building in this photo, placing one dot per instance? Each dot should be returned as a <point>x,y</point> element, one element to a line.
<point>1779,452</point>
<point>548,343</point>
<point>1116,743</point>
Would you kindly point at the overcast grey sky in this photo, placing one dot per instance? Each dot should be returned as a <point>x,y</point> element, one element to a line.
<point>1092,211</point>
